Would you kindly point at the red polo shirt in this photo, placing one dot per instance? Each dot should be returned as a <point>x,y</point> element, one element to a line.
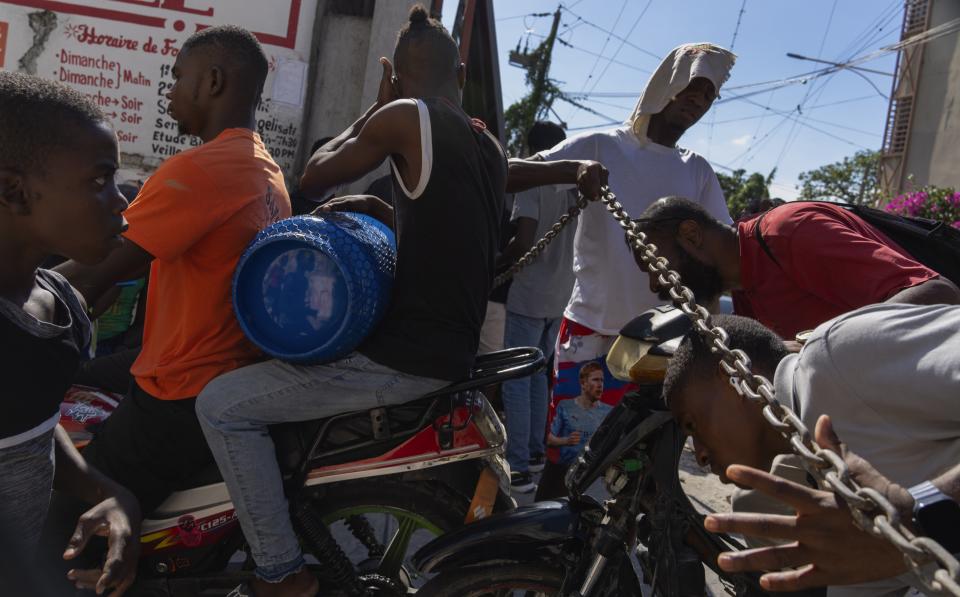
<point>830,262</point>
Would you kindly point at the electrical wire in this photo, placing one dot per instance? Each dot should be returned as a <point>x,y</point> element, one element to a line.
<point>603,48</point>
<point>524,16</point>
<point>622,43</point>
<point>807,109</point>
<point>629,43</point>
<point>567,44</point>
<point>612,59</point>
<point>736,29</point>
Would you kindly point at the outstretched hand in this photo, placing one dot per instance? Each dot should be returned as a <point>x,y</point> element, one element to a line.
<point>591,178</point>
<point>825,546</point>
<point>117,519</point>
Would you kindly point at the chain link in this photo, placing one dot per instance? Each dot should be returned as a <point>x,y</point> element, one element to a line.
<point>541,244</point>
<point>870,509</point>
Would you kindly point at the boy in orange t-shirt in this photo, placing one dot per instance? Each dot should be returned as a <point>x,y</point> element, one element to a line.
<point>190,223</point>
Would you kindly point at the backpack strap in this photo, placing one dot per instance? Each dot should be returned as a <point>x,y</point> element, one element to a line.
<point>763,243</point>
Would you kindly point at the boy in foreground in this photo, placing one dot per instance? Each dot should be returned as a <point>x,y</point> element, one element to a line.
<point>58,196</point>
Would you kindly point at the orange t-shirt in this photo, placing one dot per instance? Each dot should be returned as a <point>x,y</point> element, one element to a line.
<point>196,215</point>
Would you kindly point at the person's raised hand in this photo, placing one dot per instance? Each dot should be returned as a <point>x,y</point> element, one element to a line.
<point>591,177</point>
<point>824,547</point>
<point>388,91</point>
<point>117,519</point>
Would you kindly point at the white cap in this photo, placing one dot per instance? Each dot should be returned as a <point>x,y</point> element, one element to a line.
<point>682,65</point>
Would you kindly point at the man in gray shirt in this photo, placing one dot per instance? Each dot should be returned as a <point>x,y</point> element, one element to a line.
<point>888,376</point>
<point>535,306</point>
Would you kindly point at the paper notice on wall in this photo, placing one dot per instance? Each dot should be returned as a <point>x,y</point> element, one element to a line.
<point>289,82</point>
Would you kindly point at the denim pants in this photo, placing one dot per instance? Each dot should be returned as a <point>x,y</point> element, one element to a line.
<point>235,410</point>
<point>525,399</point>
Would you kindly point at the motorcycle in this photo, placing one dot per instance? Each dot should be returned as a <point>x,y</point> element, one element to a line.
<point>581,547</point>
<point>413,470</point>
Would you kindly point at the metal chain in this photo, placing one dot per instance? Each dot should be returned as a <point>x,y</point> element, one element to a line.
<point>541,244</point>
<point>872,512</point>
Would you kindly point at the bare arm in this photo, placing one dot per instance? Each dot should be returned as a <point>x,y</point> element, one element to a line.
<point>521,241</point>
<point>115,515</point>
<point>571,440</point>
<point>553,441</point>
<point>128,262</point>
<point>589,176</point>
<point>938,291</point>
<point>365,204</point>
<point>393,130</point>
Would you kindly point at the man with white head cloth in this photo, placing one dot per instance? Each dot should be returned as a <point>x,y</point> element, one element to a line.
<point>644,164</point>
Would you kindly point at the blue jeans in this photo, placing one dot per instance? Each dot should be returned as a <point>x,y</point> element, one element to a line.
<point>525,399</point>
<point>235,410</point>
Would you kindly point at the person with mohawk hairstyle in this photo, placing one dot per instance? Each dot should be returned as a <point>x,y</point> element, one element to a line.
<point>450,175</point>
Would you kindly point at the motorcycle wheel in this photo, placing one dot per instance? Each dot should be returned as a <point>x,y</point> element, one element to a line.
<point>380,523</point>
<point>520,580</point>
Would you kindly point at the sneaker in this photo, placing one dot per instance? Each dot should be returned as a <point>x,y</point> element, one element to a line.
<point>536,464</point>
<point>521,482</point>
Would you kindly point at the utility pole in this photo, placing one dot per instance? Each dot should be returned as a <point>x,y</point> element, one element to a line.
<point>543,67</point>
<point>521,115</point>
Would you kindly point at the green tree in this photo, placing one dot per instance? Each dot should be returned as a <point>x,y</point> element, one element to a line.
<point>855,179</point>
<point>740,189</point>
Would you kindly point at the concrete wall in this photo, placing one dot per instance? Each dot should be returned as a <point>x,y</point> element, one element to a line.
<point>933,151</point>
<point>347,70</point>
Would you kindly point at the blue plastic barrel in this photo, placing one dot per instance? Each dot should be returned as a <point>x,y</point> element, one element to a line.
<point>309,289</point>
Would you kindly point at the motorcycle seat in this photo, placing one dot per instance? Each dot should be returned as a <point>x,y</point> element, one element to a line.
<point>367,433</point>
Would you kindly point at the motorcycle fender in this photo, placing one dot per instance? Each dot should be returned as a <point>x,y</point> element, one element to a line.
<point>510,536</point>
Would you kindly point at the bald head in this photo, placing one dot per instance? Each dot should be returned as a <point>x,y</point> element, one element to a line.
<point>426,56</point>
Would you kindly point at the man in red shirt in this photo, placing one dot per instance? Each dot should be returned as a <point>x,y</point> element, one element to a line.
<point>823,261</point>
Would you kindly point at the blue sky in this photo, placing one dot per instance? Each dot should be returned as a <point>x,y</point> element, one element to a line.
<point>839,114</point>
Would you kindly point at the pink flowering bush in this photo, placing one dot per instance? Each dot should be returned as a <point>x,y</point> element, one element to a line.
<point>934,203</point>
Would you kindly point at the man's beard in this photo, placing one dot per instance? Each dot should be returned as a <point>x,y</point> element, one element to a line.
<point>704,281</point>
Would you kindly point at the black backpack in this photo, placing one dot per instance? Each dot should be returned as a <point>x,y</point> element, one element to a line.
<point>932,243</point>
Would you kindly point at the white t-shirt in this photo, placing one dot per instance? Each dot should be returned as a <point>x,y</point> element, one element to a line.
<point>610,289</point>
<point>889,377</point>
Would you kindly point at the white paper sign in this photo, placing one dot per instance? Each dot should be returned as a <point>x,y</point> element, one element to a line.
<point>288,83</point>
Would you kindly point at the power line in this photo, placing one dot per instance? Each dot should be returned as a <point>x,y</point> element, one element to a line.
<point>807,109</point>
<point>524,16</point>
<point>866,38</point>
<point>603,103</point>
<point>612,34</point>
<point>567,44</point>
<point>604,47</point>
<point>736,29</point>
<point>622,43</point>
